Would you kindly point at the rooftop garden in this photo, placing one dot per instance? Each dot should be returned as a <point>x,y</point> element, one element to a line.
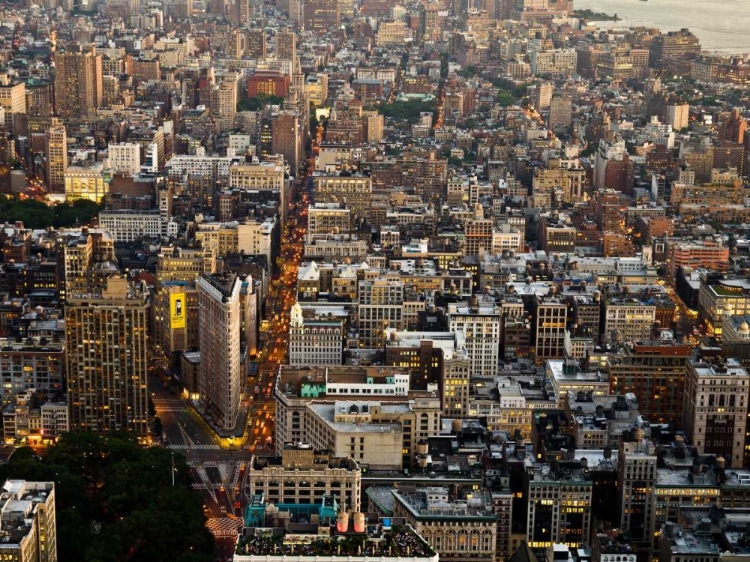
<point>401,541</point>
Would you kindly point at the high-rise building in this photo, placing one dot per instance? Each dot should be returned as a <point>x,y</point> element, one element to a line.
<point>286,45</point>
<point>314,341</point>
<point>306,475</point>
<point>374,124</point>
<point>12,99</point>
<point>716,407</point>
<point>550,321</point>
<point>125,157</point>
<point>732,127</point>
<point>560,112</point>
<point>87,258</point>
<point>671,45</point>
<point>481,323</point>
<point>57,157</point>
<point>78,83</point>
<point>236,44</point>
<point>678,116</point>
<point>287,138</point>
<point>255,43</point>
<point>380,306</point>
<point>559,506</point>
<point>183,265</point>
<point>653,370</point>
<point>327,218</point>
<point>220,378</point>
<point>458,527</point>
<point>321,15</point>
<point>31,364</point>
<point>29,525</point>
<point>479,235</point>
<point>628,319</point>
<point>224,105</point>
<point>434,358</point>
<point>107,359</point>
<point>636,484</point>
<point>353,189</point>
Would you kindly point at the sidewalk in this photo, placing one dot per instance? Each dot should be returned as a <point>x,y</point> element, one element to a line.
<point>237,433</point>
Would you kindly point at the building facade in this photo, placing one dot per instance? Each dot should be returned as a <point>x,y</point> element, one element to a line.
<point>221,376</point>
<point>106,365</point>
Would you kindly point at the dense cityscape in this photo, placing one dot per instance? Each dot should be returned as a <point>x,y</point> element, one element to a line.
<point>371,281</point>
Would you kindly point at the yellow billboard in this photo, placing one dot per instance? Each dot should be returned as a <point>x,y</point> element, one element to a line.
<point>177,310</point>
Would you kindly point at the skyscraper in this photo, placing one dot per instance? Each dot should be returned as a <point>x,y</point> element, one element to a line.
<point>57,156</point>
<point>12,98</point>
<point>106,361</point>
<point>286,45</point>
<point>78,83</point>
<point>288,138</point>
<point>220,378</point>
<point>321,15</point>
<point>636,481</point>
<point>224,105</point>
<point>256,43</point>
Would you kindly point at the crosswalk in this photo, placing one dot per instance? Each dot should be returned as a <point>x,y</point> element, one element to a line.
<point>224,527</point>
<point>201,447</point>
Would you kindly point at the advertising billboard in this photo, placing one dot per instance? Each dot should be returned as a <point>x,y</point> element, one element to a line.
<point>177,310</point>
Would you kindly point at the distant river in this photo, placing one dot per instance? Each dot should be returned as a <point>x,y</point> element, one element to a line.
<point>721,25</point>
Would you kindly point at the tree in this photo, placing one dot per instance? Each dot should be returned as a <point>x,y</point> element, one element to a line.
<point>158,426</point>
<point>505,98</point>
<point>407,110</point>
<point>115,500</point>
<point>36,214</point>
<point>258,102</point>
<point>443,66</point>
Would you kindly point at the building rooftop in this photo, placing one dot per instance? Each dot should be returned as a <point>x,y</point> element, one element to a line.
<point>436,504</point>
<point>307,542</point>
<point>683,542</point>
<point>18,503</point>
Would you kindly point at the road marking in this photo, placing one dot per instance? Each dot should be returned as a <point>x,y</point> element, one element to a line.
<point>224,527</point>
<point>183,447</point>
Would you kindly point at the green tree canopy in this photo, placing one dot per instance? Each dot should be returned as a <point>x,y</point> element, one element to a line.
<point>407,110</point>
<point>36,214</point>
<point>505,98</point>
<point>116,502</point>
<point>258,102</point>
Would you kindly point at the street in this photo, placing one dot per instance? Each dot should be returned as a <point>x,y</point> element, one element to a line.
<point>220,473</point>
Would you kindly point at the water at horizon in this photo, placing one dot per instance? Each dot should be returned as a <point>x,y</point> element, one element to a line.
<point>721,25</point>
